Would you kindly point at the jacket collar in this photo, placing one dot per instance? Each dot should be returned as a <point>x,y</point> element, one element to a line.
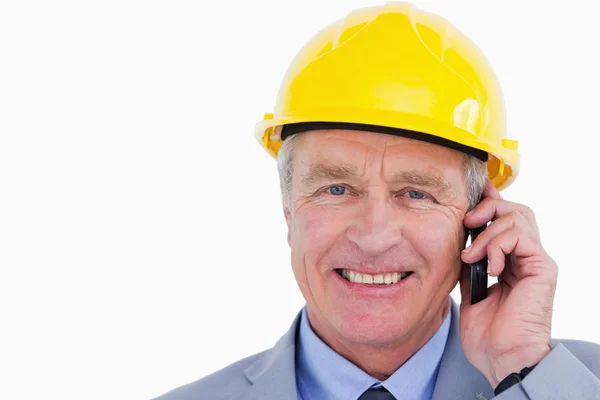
<point>273,376</point>
<point>457,378</point>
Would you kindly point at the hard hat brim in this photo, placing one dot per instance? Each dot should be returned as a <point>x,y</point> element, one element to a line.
<point>502,159</point>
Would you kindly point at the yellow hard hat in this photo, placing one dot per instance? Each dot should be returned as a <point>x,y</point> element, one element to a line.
<point>399,70</point>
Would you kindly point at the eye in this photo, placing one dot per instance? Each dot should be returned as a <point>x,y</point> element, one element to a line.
<point>337,190</point>
<point>413,194</point>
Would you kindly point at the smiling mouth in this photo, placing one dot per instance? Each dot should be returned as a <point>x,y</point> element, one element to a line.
<point>379,279</point>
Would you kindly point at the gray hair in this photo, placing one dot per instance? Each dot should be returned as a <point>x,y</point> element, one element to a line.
<point>475,171</point>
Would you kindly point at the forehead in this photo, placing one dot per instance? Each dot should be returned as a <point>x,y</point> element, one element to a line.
<point>365,150</point>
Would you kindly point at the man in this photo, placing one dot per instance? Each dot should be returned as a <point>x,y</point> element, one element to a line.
<point>389,133</point>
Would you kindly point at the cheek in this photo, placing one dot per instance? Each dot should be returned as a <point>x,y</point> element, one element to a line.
<point>314,230</point>
<point>438,241</point>
<point>314,233</point>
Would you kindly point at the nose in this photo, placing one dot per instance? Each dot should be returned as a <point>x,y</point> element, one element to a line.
<point>377,226</point>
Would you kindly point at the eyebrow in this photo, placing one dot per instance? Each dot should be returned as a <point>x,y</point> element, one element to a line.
<point>320,172</point>
<point>426,179</point>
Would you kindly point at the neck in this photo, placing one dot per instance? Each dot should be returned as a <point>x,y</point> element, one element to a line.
<point>381,361</point>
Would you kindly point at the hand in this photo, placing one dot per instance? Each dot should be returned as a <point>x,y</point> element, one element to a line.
<point>510,329</point>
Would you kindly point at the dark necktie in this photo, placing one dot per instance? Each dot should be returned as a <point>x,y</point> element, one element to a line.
<point>377,394</point>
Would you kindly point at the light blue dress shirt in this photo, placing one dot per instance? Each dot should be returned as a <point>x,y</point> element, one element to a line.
<point>323,374</point>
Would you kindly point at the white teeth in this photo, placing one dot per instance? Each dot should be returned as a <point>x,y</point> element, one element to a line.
<point>379,279</point>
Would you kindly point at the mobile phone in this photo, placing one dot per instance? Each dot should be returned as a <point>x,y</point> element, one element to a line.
<point>479,276</point>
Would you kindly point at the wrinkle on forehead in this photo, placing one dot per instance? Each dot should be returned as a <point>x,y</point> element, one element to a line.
<point>385,146</point>
<point>341,151</point>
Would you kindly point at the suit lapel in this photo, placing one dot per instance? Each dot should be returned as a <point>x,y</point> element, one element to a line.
<point>273,376</point>
<point>457,378</point>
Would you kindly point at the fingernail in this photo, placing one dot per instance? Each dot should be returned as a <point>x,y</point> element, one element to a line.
<point>468,249</point>
<point>469,213</point>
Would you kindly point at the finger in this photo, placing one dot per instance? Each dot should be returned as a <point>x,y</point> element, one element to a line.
<point>508,277</point>
<point>490,191</point>
<point>478,248</point>
<point>512,242</point>
<point>492,209</point>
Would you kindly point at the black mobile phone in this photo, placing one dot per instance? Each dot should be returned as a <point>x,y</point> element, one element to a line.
<point>479,276</point>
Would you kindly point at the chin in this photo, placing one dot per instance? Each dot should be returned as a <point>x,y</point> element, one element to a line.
<point>376,327</point>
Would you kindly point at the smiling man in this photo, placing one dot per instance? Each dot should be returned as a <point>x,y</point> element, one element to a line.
<point>375,227</point>
<point>389,134</point>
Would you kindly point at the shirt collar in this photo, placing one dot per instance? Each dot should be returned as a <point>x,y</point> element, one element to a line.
<point>323,373</point>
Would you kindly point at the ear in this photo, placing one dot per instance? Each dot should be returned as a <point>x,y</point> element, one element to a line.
<point>288,221</point>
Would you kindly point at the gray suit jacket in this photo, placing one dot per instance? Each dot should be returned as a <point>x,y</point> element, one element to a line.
<point>571,371</point>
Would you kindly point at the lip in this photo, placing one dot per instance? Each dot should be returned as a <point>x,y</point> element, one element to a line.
<point>378,291</point>
<point>371,272</point>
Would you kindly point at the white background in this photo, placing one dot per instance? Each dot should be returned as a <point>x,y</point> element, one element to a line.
<point>142,241</point>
